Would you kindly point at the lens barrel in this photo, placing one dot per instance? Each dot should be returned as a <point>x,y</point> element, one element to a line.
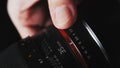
<point>76,47</point>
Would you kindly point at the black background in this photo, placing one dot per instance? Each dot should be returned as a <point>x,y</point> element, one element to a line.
<point>102,15</point>
<point>8,33</point>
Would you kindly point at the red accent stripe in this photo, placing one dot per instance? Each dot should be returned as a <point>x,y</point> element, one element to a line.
<point>73,48</point>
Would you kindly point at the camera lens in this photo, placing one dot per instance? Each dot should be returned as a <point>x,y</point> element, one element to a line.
<point>76,47</point>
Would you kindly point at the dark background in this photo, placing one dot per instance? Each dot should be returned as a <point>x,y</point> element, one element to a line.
<point>102,15</point>
<point>8,33</point>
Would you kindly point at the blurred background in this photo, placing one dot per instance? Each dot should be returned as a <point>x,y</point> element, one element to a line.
<point>102,15</point>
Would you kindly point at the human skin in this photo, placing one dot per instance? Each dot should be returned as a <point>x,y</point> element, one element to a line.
<point>31,16</point>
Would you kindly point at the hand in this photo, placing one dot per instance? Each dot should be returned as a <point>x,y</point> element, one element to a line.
<point>31,16</point>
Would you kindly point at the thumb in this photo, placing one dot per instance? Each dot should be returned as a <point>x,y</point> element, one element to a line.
<point>63,13</point>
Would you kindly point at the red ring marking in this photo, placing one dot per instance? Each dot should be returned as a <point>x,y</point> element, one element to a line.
<point>75,51</point>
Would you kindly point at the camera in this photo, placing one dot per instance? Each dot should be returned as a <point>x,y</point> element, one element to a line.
<point>75,47</point>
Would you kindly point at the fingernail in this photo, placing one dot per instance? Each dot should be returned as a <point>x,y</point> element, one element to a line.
<point>63,16</point>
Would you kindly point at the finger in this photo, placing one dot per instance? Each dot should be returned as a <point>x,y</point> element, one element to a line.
<point>29,18</point>
<point>27,4</point>
<point>63,13</point>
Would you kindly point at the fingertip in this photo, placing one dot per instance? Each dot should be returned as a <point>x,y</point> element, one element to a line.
<point>63,14</point>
